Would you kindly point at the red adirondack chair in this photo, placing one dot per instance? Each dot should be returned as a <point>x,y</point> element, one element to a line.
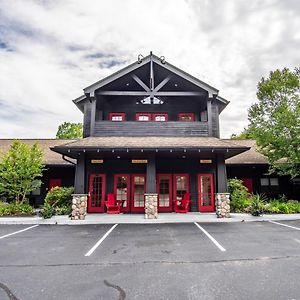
<point>183,205</point>
<point>113,206</point>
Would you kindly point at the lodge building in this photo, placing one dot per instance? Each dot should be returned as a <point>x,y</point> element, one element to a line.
<point>150,129</point>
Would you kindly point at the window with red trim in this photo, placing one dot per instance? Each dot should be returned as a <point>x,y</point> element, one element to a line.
<point>160,117</point>
<point>144,117</point>
<point>186,117</point>
<point>156,117</point>
<point>117,117</point>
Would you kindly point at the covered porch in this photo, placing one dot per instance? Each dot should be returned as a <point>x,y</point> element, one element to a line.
<point>167,167</point>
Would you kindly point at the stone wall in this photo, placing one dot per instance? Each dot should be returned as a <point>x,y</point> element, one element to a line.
<point>223,205</point>
<point>79,205</point>
<point>151,206</point>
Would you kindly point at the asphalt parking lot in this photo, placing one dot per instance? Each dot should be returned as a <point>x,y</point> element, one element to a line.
<point>255,260</point>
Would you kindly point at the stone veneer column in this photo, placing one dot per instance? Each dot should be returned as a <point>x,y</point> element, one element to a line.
<point>223,205</point>
<point>79,205</point>
<point>151,206</point>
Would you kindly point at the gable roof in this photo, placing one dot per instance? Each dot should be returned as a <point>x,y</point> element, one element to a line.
<point>90,90</point>
<point>50,157</point>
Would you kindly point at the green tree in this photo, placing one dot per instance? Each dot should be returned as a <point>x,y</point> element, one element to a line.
<point>69,130</point>
<point>275,120</point>
<point>20,171</point>
<point>246,134</point>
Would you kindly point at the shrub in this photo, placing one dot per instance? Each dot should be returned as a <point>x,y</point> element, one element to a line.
<point>278,207</point>
<point>239,196</point>
<point>257,205</point>
<point>16,209</point>
<point>58,201</point>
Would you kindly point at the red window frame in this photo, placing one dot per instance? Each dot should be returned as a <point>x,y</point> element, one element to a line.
<point>116,114</point>
<point>160,114</point>
<point>186,114</point>
<point>137,115</point>
<point>127,207</point>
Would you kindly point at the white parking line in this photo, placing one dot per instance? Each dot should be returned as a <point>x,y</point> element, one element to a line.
<point>210,237</point>
<point>101,240</point>
<point>296,228</point>
<point>4,236</point>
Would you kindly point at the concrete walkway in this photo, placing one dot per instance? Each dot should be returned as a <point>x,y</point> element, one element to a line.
<point>139,219</point>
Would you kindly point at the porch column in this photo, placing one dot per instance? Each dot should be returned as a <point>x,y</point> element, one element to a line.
<point>151,174</point>
<point>209,116</point>
<point>151,195</point>
<point>93,115</point>
<point>80,175</point>
<point>222,197</point>
<point>79,198</point>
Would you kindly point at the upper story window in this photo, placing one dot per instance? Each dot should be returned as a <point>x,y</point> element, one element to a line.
<point>186,117</point>
<point>143,117</point>
<point>160,117</point>
<point>117,117</point>
<point>156,117</point>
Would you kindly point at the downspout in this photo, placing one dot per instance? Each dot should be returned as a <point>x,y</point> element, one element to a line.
<point>69,161</point>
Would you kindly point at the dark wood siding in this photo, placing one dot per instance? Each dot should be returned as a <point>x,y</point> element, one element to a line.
<point>87,119</point>
<point>215,120</point>
<point>107,128</point>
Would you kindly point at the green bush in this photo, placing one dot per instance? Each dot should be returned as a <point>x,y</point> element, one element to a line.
<point>257,205</point>
<point>239,196</point>
<point>58,201</point>
<point>278,207</point>
<point>16,209</point>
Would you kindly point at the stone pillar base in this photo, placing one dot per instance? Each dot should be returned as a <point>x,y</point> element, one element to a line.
<point>151,206</point>
<point>79,205</point>
<point>223,205</point>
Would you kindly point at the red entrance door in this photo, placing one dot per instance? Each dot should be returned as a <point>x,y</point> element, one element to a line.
<point>96,193</point>
<point>164,191</point>
<point>206,201</point>
<point>138,189</point>
<point>54,182</point>
<point>248,183</point>
<point>122,190</point>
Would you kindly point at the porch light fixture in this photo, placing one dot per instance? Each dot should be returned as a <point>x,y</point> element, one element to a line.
<point>139,161</point>
<point>205,161</point>
<point>183,156</point>
<point>97,161</point>
<point>118,156</point>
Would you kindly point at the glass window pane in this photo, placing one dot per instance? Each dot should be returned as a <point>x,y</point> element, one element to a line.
<point>122,189</point>
<point>181,187</point>
<point>164,191</point>
<point>139,188</point>
<point>264,181</point>
<point>274,181</point>
<point>206,192</point>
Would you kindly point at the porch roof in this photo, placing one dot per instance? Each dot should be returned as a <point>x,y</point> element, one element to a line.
<point>152,143</point>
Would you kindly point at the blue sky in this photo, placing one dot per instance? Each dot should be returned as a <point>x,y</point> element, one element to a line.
<point>51,50</point>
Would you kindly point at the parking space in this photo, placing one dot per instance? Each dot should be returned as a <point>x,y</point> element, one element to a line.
<point>163,261</point>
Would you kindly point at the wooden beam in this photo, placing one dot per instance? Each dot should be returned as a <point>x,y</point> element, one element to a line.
<point>141,83</point>
<point>179,94</point>
<point>163,83</point>
<point>123,93</point>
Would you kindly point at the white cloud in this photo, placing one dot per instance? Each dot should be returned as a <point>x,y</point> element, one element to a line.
<point>51,50</point>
